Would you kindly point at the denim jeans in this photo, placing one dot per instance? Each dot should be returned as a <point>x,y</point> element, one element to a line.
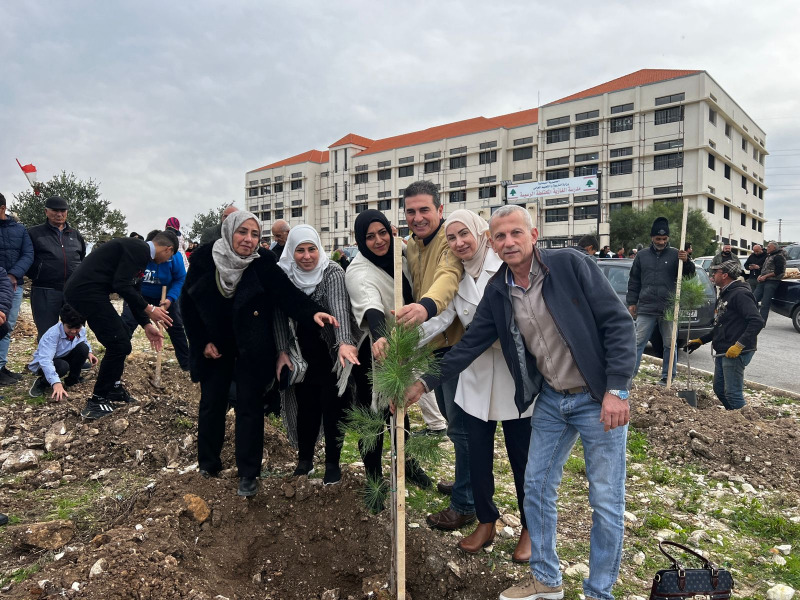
<point>461,499</point>
<point>557,421</point>
<point>764,293</point>
<point>645,324</point>
<point>11,319</point>
<point>729,379</point>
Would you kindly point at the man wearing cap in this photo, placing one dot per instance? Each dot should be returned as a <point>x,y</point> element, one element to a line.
<point>652,282</point>
<point>174,226</point>
<point>733,339</point>
<point>58,249</point>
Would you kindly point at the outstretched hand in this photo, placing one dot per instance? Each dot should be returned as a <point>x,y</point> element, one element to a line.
<point>413,394</point>
<point>155,337</point>
<point>160,314</point>
<point>323,319</point>
<point>348,352</point>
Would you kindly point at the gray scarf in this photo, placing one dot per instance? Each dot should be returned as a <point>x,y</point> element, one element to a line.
<point>231,266</point>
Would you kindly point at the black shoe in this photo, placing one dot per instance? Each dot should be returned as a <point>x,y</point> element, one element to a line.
<point>208,474</point>
<point>39,387</point>
<point>119,394</point>
<point>15,376</point>
<point>96,408</point>
<point>3,519</point>
<point>333,474</point>
<point>431,432</point>
<point>7,379</point>
<point>86,366</point>
<point>69,381</point>
<point>248,486</point>
<point>662,383</point>
<point>417,476</point>
<point>304,467</point>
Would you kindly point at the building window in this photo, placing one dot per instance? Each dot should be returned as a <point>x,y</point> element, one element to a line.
<point>621,194</point>
<point>458,196</point>
<point>672,200</point>
<point>523,141</point>
<point>325,202</point>
<point>619,206</point>
<point>556,215</point>
<point>726,212</point>
<point>744,220</point>
<point>458,162</point>
<point>432,155</point>
<point>278,188</point>
<point>362,178</point>
<point>592,114</point>
<point>580,213</point>
<point>265,190</point>
<point>522,176</point>
<point>345,158</point>
<point>252,192</point>
<point>278,214</point>
<point>264,215</point>
<point>587,130</point>
<point>621,124</point>
<point>433,166</point>
<point>710,205</point>
<point>558,121</point>
<point>759,226</point>
<point>743,243</point>
<point>384,174</point>
<point>668,145</point>
<point>554,162</point>
<point>335,161</point>
<point>755,190</point>
<point>297,202</point>
<point>405,160</point>
<point>405,171</point>
<point>360,207</point>
<point>711,162</point>
<point>558,135</point>
<point>384,163</point>
<point>744,143</point>
<point>669,115</point>
<point>459,183</point>
<point>584,199</point>
<point>585,157</point>
<point>556,174</point>
<point>673,160</point>
<point>297,184</point>
<point>489,179</point>
<point>712,116</point>
<point>387,194</point>
<point>744,183</point>
<point>761,193</point>
<point>384,204</point>
<point>523,153</point>
<point>621,167</point>
<point>556,201</point>
<point>279,178</point>
<point>459,150</point>
<point>584,170</point>
<point>487,157</point>
<point>297,212</point>
<point>620,152</point>
<point>727,129</point>
<point>487,192</point>
<point>727,171</point>
<point>621,108</point>
<point>487,145</point>
<point>360,168</point>
<point>279,205</point>
<point>361,197</point>
<point>669,189</point>
<point>670,99</point>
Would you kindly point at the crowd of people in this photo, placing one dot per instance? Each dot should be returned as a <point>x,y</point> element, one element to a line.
<point>534,339</point>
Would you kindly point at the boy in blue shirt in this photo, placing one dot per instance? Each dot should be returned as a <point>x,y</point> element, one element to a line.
<point>62,351</point>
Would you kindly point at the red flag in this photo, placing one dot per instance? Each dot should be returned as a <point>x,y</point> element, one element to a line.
<point>30,173</point>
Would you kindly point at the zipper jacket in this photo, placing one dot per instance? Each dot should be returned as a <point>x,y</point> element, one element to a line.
<point>56,255</point>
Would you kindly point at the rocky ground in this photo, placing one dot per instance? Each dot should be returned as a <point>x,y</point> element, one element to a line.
<point>115,508</point>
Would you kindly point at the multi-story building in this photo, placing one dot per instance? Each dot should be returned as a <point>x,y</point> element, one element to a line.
<point>653,136</point>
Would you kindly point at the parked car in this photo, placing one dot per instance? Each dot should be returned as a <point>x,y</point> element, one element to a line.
<point>704,262</point>
<point>786,301</point>
<point>618,271</point>
<point>793,253</point>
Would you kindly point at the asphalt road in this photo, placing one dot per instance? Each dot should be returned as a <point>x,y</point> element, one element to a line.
<point>775,363</point>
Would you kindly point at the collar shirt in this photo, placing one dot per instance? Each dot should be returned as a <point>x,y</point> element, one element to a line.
<point>540,332</point>
<point>54,344</point>
<point>152,250</point>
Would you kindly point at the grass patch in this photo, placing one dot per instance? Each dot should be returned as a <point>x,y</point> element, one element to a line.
<point>20,575</point>
<point>183,423</point>
<point>637,445</point>
<point>749,518</point>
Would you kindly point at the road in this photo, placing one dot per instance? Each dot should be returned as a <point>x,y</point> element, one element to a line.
<point>775,362</point>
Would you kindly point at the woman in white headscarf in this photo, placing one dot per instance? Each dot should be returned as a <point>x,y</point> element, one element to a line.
<point>228,302</point>
<point>486,388</point>
<point>324,393</point>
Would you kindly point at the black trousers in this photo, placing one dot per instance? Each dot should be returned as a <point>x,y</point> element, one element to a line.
<point>317,403</point>
<point>176,332</point>
<point>517,434</point>
<point>71,362</point>
<point>46,304</point>
<point>214,389</point>
<point>110,330</point>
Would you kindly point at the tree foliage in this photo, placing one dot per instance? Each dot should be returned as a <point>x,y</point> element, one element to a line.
<point>205,220</point>
<point>632,227</point>
<point>88,212</point>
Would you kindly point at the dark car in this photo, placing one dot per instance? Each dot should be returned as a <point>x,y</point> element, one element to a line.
<point>786,301</point>
<point>618,271</point>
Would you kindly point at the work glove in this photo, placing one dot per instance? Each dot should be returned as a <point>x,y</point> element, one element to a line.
<point>735,350</point>
<point>693,345</point>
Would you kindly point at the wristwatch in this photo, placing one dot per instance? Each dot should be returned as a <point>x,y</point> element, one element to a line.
<point>621,394</point>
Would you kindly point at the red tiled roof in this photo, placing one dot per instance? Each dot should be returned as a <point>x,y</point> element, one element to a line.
<point>517,119</point>
<point>315,156</point>
<point>642,77</point>
<point>352,138</point>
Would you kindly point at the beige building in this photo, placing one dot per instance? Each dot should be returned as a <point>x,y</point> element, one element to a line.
<point>654,136</point>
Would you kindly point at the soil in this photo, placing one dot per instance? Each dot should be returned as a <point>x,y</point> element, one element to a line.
<point>296,538</point>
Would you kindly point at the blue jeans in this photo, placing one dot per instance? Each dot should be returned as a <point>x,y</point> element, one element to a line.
<point>729,379</point>
<point>557,421</point>
<point>645,324</point>
<point>461,499</point>
<point>11,319</point>
<point>764,293</point>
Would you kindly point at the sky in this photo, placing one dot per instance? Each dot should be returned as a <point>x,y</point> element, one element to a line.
<point>168,104</point>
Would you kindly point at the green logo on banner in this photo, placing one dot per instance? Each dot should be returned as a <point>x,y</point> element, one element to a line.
<point>513,192</point>
<point>589,183</point>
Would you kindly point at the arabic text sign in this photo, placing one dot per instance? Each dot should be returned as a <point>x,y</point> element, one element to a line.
<point>556,187</point>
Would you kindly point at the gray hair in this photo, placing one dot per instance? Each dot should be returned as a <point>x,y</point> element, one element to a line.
<point>423,187</point>
<point>508,210</point>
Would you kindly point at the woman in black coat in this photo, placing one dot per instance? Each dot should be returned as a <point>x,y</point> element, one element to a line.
<point>231,292</point>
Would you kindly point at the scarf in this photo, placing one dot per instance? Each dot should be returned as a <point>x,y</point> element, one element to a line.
<point>306,281</point>
<point>385,262</point>
<point>231,266</point>
<point>479,230</point>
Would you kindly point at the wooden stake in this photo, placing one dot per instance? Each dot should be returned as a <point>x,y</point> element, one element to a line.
<point>157,377</point>
<point>399,439</point>
<point>677,311</point>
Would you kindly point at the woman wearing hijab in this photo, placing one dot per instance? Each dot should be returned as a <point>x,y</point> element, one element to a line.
<point>486,388</point>
<point>228,301</point>
<point>370,283</point>
<point>323,394</point>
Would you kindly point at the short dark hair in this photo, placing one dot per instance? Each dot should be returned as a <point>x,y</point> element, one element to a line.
<point>2,200</point>
<point>151,235</point>
<point>423,187</point>
<point>166,238</point>
<point>71,317</point>
<point>588,240</point>
<point>138,236</point>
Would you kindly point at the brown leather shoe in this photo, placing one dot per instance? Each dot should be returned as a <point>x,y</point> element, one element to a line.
<point>445,487</point>
<point>522,553</point>
<point>482,537</point>
<point>449,520</point>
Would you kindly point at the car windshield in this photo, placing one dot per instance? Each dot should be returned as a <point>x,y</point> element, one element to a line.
<point>793,252</point>
<point>618,278</point>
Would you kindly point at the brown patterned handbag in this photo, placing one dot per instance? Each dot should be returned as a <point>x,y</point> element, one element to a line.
<point>680,583</point>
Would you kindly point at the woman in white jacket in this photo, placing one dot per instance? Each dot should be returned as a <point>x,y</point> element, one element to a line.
<point>486,388</point>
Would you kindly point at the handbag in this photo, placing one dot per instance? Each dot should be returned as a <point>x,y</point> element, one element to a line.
<point>680,583</point>
<point>298,362</point>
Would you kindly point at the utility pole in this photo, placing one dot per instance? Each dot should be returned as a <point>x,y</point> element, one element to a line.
<point>599,202</point>
<point>505,183</point>
<point>780,224</point>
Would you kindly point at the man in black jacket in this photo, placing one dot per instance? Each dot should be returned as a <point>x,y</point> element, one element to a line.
<point>736,327</point>
<point>654,276</point>
<point>753,265</point>
<point>58,249</point>
<point>117,267</point>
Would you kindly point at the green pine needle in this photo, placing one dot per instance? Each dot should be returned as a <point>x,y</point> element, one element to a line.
<point>364,424</point>
<point>693,295</point>
<point>425,448</point>
<point>375,493</point>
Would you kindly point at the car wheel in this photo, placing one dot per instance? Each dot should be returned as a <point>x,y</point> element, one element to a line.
<point>796,318</point>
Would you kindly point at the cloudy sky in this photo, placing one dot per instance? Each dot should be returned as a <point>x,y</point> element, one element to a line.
<point>168,104</point>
